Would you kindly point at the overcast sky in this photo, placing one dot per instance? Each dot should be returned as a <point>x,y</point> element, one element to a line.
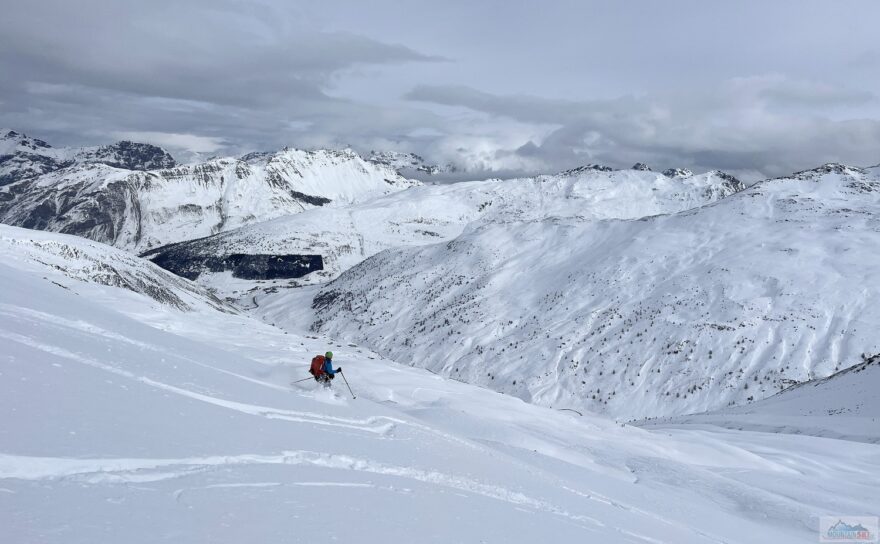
<point>758,88</point>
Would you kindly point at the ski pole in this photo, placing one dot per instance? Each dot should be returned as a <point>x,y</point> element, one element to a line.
<point>349,387</point>
<point>302,380</point>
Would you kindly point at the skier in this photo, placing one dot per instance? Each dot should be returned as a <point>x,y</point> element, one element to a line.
<point>322,368</point>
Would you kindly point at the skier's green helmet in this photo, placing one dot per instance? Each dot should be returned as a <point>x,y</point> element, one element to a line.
<point>329,355</point>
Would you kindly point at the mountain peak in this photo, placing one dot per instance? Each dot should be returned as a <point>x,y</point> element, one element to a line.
<point>677,173</point>
<point>829,168</point>
<point>586,168</point>
<point>9,134</point>
<point>130,156</point>
<point>641,167</point>
<point>16,141</point>
<point>723,175</point>
<point>403,162</point>
<point>729,180</point>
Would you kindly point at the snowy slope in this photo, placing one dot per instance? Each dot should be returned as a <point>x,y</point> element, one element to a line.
<point>135,199</point>
<point>78,260</point>
<point>125,419</point>
<point>844,405</point>
<point>431,213</point>
<point>663,315</point>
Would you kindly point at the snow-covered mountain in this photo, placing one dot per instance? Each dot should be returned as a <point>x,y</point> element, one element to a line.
<point>409,164</point>
<point>124,418</point>
<point>23,157</point>
<point>677,172</point>
<point>133,197</point>
<point>672,314</point>
<point>629,292</point>
<point>127,155</point>
<point>430,214</point>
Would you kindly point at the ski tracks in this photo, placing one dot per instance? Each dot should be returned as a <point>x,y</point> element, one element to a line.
<point>377,425</point>
<point>122,471</point>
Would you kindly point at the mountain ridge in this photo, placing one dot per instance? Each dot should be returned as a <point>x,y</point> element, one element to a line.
<point>135,196</point>
<point>432,213</point>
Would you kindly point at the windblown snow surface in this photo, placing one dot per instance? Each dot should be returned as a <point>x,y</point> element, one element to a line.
<point>128,418</point>
<point>719,305</point>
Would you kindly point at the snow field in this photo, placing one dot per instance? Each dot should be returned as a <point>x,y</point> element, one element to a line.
<point>129,419</point>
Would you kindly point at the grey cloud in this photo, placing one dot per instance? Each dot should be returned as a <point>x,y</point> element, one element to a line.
<point>528,89</point>
<point>821,97</point>
<point>222,69</point>
<point>524,108</point>
<point>745,124</point>
<point>222,57</point>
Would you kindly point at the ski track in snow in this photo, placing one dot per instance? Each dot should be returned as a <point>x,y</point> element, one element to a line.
<point>94,329</point>
<point>270,413</point>
<point>102,471</point>
<point>378,425</point>
<point>131,471</point>
<point>382,426</point>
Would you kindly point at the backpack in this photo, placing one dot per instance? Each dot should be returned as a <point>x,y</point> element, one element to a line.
<point>317,368</point>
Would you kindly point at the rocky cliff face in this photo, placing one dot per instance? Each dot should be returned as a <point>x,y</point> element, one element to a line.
<point>677,173</point>
<point>128,156</point>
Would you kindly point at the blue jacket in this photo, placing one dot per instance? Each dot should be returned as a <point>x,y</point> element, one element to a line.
<point>328,367</point>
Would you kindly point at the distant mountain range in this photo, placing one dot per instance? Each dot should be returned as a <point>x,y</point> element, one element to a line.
<point>135,197</point>
<point>428,214</point>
